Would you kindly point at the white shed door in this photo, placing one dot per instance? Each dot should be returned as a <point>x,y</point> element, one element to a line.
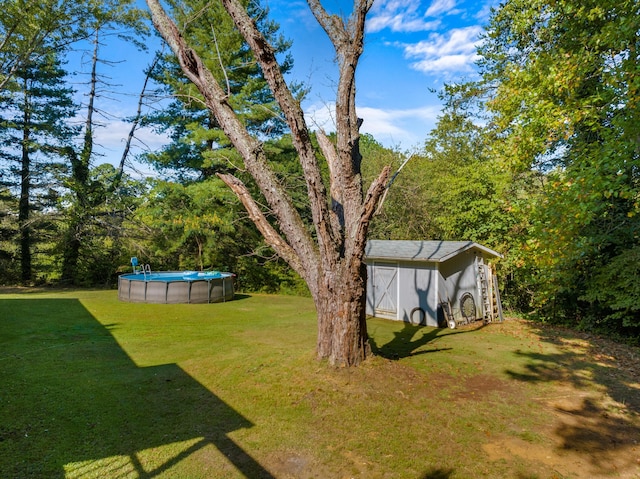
<point>385,280</point>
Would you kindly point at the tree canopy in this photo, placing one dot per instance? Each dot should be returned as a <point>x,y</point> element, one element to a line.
<point>559,93</point>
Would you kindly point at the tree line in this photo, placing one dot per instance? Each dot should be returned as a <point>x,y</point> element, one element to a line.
<point>537,158</point>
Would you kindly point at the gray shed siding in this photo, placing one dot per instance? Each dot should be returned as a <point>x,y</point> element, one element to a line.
<point>460,276</point>
<point>415,286</point>
<point>430,273</point>
<point>418,283</point>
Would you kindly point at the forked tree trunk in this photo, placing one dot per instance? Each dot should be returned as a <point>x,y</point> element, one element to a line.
<point>331,261</point>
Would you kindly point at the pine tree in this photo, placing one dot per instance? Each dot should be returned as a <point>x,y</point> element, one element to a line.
<point>35,109</point>
<point>198,146</point>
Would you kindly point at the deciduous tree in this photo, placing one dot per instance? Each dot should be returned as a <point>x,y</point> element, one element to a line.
<point>562,86</point>
<point>331,258</point>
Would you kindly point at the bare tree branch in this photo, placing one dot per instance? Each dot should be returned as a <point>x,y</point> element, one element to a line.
<point>222,67</point>
<point>134,124</point>
<point>389,184</point>
<point>280,246</point>
<point>295,119</point>
<point>249,148</point>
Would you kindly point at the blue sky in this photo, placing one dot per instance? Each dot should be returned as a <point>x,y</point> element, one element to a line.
<point>412,48</point>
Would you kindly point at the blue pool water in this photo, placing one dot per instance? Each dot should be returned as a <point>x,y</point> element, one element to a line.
<point>169,276</point>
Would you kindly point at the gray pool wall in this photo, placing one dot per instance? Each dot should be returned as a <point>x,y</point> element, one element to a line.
<point>213,290</point>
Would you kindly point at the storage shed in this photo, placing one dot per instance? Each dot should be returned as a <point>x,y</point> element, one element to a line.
<point>434,283</point>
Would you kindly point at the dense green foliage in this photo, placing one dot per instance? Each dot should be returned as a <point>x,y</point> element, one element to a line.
<point>540,159</point>
<point>562,90</point>
<point>29,31</point>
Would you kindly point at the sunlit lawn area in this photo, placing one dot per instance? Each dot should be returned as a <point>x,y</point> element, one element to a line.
<point>93,387</point>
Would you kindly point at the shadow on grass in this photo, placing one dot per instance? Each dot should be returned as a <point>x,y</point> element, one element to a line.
<point>592,426</point>
<point>437,474</point>
<point>241,296</point>
<point>74,404</point>
<point>408,341</point>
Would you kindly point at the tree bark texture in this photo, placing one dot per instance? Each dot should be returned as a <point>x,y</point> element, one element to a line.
<point>24,204</point>
<point>80,166</point>
<point>331,261</point>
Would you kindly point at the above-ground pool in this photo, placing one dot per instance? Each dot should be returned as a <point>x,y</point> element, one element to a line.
<point>175,287</point>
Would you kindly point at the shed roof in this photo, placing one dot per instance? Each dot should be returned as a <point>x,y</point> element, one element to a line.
<point>432,251</point>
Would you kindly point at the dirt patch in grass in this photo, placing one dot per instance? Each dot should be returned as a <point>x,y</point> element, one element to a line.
<point>590,388</point>
<point>564,408</point>
<point>293,465</point>
<point>480,386</point>
<point>569,406</point>
<point>584,440</point>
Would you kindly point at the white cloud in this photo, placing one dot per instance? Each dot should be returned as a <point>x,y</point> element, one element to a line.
<point>399,16</point>
<point>405,128</point>
<point>441,6</point>
<point>484,13</point>
<point>446,64</point>
<point>110,141</point>
<point>393,128</point>
<point>454,51</point>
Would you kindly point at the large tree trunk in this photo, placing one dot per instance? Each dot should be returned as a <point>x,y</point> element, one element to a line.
<point>71,252</point>
<point>342,326</point>
<point>24,205</point>
<point>331,261</point>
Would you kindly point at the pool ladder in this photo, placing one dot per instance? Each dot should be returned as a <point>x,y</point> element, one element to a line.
<point>146,269</point>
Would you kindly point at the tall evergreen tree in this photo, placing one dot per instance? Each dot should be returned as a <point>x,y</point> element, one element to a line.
<point>198,147</point>
<point>107,19</point>
<point>35,109</point>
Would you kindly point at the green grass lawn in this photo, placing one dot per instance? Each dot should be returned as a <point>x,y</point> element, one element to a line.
<point>96,388</point>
